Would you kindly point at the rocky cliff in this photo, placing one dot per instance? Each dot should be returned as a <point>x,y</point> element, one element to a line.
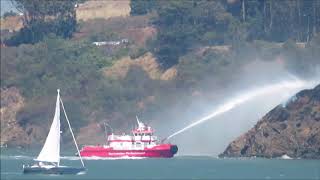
<point>292,129</point>
<point>14,132</point>
<point>11,131</point>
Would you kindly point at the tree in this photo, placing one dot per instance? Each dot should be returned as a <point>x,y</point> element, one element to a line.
<point>8,14</point>
<point>141,7</point>
<point>185,24</point>
<point>41,10</point>
<point>42,17</point>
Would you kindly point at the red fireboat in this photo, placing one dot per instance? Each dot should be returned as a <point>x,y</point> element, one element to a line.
<point>142,143</point>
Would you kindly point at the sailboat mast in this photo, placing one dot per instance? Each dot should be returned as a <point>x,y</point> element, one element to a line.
<point>74,139</point>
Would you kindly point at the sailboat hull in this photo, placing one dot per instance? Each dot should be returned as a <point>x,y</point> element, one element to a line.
<point>53,170</point>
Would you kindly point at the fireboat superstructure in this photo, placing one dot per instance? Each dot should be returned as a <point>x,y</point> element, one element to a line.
<point>142,143</point>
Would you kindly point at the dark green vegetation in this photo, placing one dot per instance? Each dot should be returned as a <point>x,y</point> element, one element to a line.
<point>41,18</point>
<point>8,14</point>
<point>183,25</point>
<point>54,57</point>
<point>76,68</point>
<point>38,70</point>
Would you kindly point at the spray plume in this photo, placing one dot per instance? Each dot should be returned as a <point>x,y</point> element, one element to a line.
<point>232,103</point>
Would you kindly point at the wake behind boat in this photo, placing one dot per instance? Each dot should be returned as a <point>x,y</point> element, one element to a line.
<point>48,161</point>
<point>47,169</point>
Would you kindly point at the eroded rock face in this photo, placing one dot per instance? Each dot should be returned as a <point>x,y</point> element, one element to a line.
<point>11,132</point>
<point>292,129</point>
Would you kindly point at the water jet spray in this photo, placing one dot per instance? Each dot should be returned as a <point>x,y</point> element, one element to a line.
<point>249,95</point>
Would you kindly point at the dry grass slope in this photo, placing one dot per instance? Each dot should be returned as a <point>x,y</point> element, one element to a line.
<point>103,9</point>
<point>147,62</point>
<point>12,23</point>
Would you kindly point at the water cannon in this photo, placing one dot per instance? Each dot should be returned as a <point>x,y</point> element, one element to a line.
<point>164,139</point>
<point>141,125</point>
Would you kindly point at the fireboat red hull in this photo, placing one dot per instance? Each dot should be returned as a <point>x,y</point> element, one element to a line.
<point>158,151</point>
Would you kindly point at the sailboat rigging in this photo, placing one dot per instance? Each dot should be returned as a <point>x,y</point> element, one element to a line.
<point>49,157</point>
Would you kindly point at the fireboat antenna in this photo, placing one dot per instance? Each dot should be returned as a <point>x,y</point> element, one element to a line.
<point>137,119</point>
<point>107,125</point>
<point>105,130</point>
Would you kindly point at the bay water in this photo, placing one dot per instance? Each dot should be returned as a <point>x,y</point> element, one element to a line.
<point>179,167</point>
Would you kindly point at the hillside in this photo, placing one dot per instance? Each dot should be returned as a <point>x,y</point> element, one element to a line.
<point>292,129</point>
<point>159,60</point>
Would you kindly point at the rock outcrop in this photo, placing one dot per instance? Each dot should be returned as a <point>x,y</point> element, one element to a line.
<point>14,131</point>
<point>11,132</point>
<point>292,129</point>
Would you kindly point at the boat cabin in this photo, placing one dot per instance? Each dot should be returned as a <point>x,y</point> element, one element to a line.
<point>141,137</point>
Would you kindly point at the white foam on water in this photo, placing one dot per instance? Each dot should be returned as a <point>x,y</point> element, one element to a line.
<point>72,158</point>
<point>17,157</point>
<point>112,158</point>
<point>281,87</point>
<point>81,173</point>
<point>22,157</point>
<point>286,157</point>
<point>10,173</point>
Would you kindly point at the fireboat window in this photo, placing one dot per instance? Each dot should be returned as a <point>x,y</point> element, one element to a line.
<point>138,144</point>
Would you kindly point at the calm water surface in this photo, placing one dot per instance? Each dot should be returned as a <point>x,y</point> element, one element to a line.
<point>180,167</point>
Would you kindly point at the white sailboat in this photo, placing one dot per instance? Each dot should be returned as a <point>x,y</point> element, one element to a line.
<point>48,160</point>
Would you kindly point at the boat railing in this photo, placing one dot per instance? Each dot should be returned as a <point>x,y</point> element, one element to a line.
<point>119,137</point>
